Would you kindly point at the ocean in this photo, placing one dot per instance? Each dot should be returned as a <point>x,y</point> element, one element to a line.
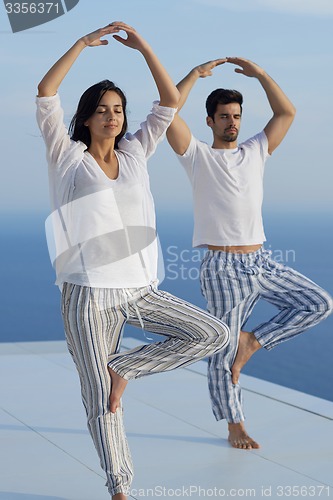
<point>30,302</point>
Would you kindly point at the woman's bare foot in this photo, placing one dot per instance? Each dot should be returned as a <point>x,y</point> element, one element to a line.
<point>239,438</point>
<point>247,346</point>
<point>119,496</point>
<point>118,385</point>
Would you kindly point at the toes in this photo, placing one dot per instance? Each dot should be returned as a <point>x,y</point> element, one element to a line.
<point>250,444</point>
<point>243,444</point>
<point>114,405</point>
<point>234,444</point>
<point>235,377</point>
<point>254,445</point>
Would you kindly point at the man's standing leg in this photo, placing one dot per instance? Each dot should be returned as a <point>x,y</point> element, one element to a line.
<point>229,285</point>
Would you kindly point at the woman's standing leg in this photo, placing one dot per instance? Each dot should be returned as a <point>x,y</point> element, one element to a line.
<point>93,331</point>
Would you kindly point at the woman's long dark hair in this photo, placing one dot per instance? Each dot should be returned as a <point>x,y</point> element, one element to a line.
<point>87,106</point>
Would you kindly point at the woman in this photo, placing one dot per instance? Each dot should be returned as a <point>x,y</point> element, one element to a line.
<point>105,250</point>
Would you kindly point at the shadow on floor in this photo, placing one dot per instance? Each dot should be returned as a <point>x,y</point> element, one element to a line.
<point>41,430</point>
<point>12,495</point>
<point>218,441</point>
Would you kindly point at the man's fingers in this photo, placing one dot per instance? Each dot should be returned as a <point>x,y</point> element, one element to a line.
<point>120,39</point>
<point>236,60</point>
<point>220,61</point>
<point>123,26</point>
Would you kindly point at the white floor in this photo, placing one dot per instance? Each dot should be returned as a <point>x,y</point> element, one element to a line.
<point>178,448</point>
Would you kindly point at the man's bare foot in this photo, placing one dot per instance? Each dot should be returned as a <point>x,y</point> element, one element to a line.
<point>247,346</point>
<point>118,385</point>
<point>119,496</point>
<point>239,438</point>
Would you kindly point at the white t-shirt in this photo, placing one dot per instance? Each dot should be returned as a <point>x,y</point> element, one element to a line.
<point>101,232</point>
<point>227,191</point>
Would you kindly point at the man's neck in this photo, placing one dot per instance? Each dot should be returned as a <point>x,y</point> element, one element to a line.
<point>219,144</point>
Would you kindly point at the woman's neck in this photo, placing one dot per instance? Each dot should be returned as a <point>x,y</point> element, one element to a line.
<point>102,150</point>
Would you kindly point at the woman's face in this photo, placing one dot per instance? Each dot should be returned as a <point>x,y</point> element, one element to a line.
<point>108,119</point>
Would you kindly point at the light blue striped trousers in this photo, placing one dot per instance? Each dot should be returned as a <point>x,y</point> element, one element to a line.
<point>94,319</point>
<point>232,283</point>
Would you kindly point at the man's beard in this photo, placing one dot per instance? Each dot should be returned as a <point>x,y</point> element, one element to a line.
<point>230,137</point>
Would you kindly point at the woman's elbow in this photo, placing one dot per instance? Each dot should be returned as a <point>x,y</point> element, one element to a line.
<point>176,98</point>
<point>172,100</point>
<point>45,91</point>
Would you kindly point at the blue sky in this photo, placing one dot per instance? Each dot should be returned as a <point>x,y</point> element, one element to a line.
<point>290,39</point>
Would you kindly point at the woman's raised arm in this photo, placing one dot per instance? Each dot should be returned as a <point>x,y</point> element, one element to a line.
<point>50,83</point>
<point>169,95</point>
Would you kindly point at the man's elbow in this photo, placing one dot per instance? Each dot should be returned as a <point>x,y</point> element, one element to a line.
<point>288,115</point>
<point>292,111</point>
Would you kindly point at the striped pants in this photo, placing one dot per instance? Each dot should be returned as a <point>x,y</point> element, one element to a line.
<point>232,284</point>
<point>94,319</point>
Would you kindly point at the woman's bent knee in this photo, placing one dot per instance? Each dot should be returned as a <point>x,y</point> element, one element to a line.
<point>324,304</point>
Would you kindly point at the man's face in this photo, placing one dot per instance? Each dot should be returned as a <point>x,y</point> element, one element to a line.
<point>226,123</point>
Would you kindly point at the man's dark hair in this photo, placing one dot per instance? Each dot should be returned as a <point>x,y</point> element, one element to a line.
<point>222,96</point>
<point>87,106</point>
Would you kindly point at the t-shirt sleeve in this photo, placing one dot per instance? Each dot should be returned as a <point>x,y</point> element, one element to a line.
<point>50,119</point>
<point>260,143</point>
<point>188,158</point>
<point>151,131</point>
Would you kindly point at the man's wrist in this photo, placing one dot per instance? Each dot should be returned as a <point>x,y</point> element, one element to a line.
<point>194,73</point>
<point>81,43</point>
<point>262,75</point>
<point>146,51</point>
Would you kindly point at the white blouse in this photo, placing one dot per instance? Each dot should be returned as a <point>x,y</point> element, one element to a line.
<point>101,232</point>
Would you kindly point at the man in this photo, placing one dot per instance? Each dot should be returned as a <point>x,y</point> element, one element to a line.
<point>227,182</point>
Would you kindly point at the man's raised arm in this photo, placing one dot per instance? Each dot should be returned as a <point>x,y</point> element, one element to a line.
<point>283,109</point>
<point>178,134</point>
